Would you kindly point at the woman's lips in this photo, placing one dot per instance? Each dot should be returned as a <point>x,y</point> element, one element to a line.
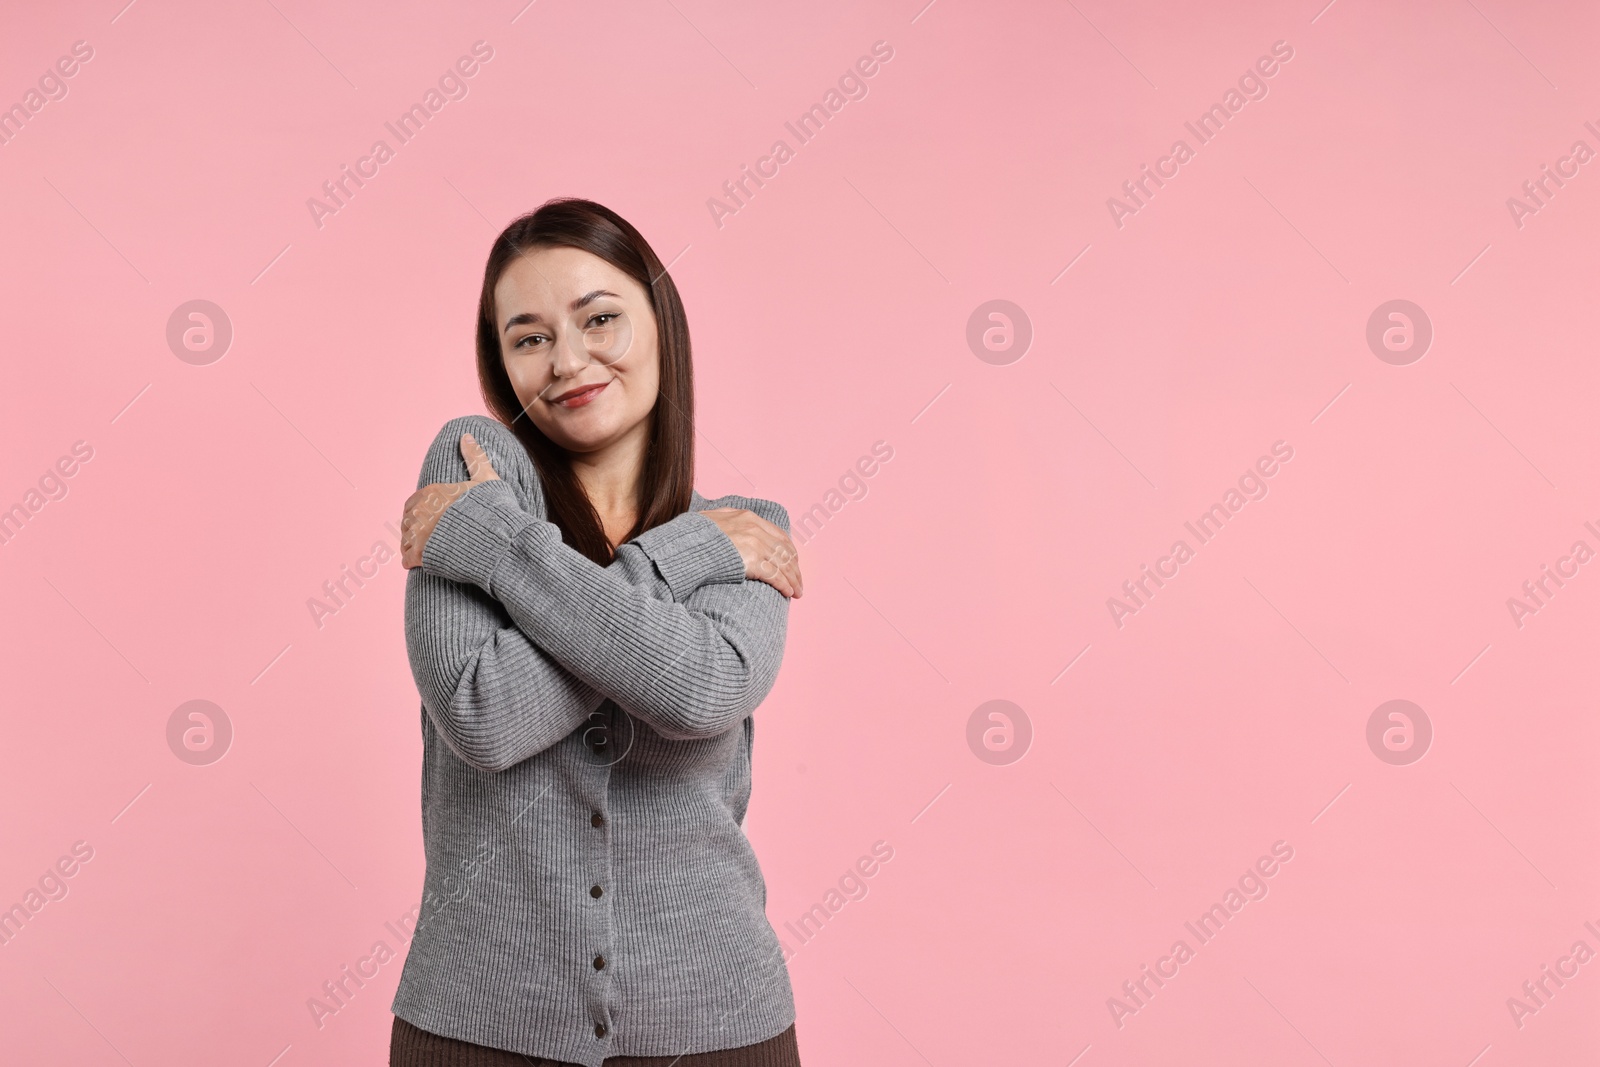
<point>579,399</point>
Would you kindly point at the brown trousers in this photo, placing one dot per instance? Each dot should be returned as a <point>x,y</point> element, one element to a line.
<point>410,1046</point>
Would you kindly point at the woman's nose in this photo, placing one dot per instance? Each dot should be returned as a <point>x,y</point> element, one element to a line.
<point>570,355</point>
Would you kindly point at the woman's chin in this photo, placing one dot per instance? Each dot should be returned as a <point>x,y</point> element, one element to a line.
<point>583,435</point>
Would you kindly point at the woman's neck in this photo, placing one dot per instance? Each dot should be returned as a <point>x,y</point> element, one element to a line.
<point>610,477</point>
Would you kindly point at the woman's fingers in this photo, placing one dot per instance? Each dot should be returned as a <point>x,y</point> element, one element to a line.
<point>770,569</point>
<point>780,564</point>
<point>791,564</point>
<point>782,553</point>
<point>769,554</point>
<point>421,515</point>
<point>416,523</point>
<point>423,508</point>
<point>479,469</point>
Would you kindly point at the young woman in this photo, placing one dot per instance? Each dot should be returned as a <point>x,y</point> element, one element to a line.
<point>589,636</point>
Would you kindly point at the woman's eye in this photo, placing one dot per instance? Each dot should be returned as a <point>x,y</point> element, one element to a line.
<point>531,339</point>
<point>602,318</point>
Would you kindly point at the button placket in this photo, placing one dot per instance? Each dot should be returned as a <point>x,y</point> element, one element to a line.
<point>599,741</point>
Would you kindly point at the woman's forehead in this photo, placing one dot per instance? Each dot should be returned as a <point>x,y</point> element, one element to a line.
<point>560,275</point>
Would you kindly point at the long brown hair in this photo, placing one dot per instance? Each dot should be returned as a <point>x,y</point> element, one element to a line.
<point>666,483</point>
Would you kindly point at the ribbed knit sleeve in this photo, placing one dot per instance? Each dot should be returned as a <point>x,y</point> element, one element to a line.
<point>689,670</point>
<point>691,553</point>
<point>495,696</point>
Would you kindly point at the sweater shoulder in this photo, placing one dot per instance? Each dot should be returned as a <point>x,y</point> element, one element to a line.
<point>770,510</point>
<point>444,462</point>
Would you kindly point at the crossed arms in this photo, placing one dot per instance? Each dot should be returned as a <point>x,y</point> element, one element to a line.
<point>515,638</point>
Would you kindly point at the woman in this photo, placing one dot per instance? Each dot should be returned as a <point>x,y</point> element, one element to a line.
<point>589,636</point>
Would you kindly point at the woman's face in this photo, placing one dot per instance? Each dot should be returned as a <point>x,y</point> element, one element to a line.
<point>578,338</point>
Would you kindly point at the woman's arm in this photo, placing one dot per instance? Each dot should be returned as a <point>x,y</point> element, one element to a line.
<point>689,670</point>
<point>496,697</point>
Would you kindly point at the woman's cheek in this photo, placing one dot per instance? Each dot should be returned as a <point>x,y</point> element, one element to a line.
<point>522,384</point>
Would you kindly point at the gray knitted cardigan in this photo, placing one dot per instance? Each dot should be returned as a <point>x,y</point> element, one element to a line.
<point>586,739</point>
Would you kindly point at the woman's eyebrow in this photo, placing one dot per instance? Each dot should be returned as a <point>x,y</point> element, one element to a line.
<point>533,316</point>
<point>591,296</point>
<point>522,319</point>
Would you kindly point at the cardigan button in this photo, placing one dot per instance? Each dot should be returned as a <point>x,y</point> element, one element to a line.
<point>597,820</point>
<point>599,962</point>
<point>599,1029</point>
<point>594,891</point>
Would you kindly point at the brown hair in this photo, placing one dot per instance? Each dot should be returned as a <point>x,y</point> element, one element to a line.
<point>666,483</point>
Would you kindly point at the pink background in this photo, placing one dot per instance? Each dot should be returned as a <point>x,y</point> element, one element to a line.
<point>830,313</point>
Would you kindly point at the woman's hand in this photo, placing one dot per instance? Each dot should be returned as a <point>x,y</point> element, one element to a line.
<point>424,507</point>
<point>769,554</point>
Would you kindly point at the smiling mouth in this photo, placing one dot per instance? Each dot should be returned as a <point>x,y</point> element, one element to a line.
<point>577,398</point>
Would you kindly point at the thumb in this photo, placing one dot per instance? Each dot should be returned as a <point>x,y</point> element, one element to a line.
<point>479,469</point>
